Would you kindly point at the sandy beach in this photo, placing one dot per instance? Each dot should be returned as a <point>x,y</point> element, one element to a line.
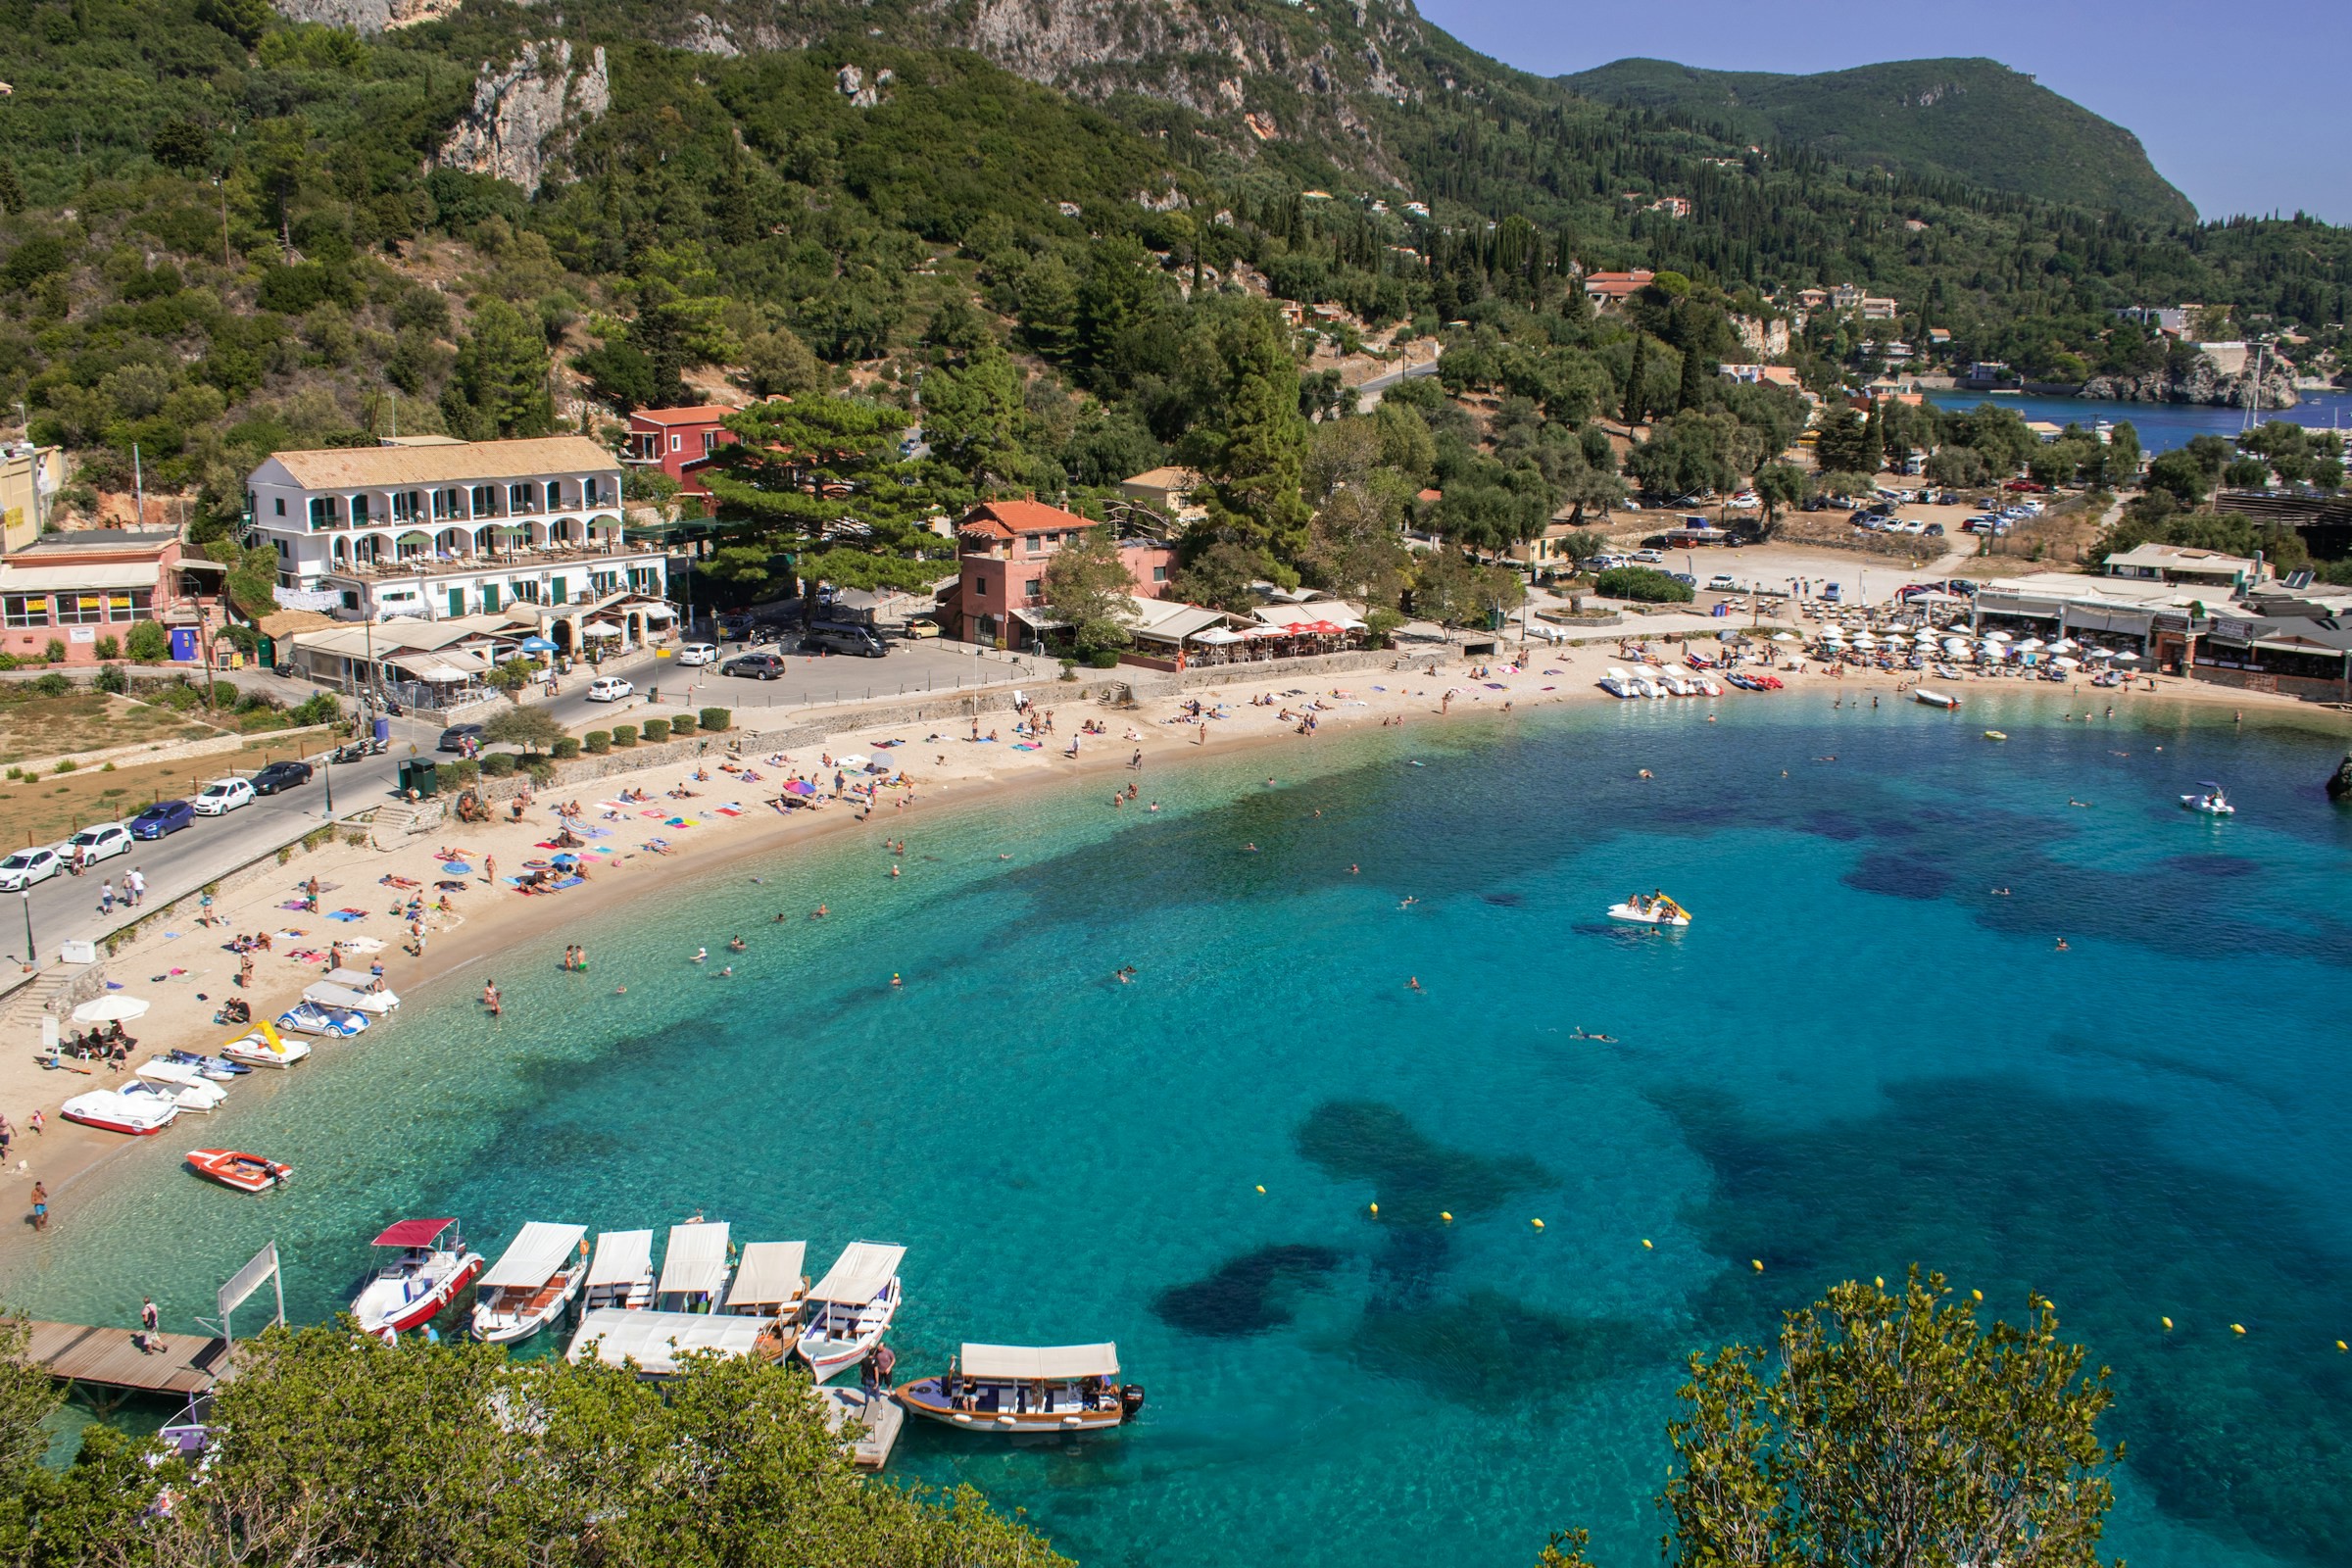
<point>474,923</point>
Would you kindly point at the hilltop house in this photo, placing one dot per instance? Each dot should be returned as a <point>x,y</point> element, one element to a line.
<point>678,442</point>
<point>1609,288</point>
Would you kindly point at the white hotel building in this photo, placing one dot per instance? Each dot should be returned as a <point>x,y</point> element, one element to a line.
<point>440,529</point>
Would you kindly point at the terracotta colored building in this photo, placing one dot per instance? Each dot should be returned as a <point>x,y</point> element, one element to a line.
<point>678,442</point>
<point>88,585</point>
<point>999,597</point>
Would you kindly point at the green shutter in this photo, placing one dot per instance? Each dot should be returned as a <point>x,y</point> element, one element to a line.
<point>456,602</point>
<point>554,591</point>
<point>489,599</point>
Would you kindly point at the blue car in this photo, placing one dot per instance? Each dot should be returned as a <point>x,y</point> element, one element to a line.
<point>164,816</point>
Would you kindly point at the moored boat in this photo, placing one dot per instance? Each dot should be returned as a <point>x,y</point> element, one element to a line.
<point>189,1087</point>
<point>220,1067</point>
<point>1020,1388</point>
<point>1996,735</point>
<point>769,1279</point>
<point>1654,908</point>
<point>851,1309</point>
<point>265,1046</point>
<point>345,998</point>
<point>139,1109</point>
<point>1617,683</point>
<point>2209,800</point>
<point>311,1019</point>
<point>532,1282</point>
<point>694,1268</point>
<point>232,1167</point>
<point>622,1275</point>
<point>433,1268</point>
<point>1932,699</point>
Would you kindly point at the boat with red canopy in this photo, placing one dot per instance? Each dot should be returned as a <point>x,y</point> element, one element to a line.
<point>434,1265</point>
<point>231,1167</point>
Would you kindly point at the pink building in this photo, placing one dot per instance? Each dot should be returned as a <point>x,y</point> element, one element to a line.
<point>999,597</point>
<point>678,442</point>
<point>85,586</point>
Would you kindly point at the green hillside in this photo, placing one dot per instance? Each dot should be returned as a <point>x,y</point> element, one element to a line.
<point>1971,119</point>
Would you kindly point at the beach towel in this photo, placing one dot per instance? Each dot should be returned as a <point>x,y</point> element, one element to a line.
<point>1018,745</point>
<point>347,915</point>
<point>295,904</point>
<point>594,832</point>
<point>1497,686</point>
<point>655,815</point>
<point>729,809</point>
<point>569,882</point>
<point>457,867</point>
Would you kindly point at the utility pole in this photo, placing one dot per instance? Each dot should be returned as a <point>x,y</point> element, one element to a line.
<point>138,483</point>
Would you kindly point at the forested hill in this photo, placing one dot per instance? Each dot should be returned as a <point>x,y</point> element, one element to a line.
<point>1969,120</point>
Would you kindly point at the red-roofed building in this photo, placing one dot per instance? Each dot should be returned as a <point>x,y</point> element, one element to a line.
<point>678,442</point>
<point>1608,288</point>
<point>999,598</point>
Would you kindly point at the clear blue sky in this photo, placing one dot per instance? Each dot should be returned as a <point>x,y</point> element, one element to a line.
<point>2235,103</point>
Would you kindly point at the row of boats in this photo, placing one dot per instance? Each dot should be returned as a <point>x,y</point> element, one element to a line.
<point>710,1296</point>
<point>1652,680</point>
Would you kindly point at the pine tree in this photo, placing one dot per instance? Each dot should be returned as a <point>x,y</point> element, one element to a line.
<point>1633,406</point>
<point>12,189</point>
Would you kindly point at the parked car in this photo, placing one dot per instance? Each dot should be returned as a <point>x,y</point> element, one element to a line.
<point>280,776</point>
<point>454,738</point>
<point>164,816</point>
<point>609,689</point>
<point>23,868</point>
<point>1684,578</point>
<point>920,627</point>
<point>698,654</point>
<point>1933,530</point>
<point>1648,556</point>
<point>1722,582</point>
<point>99,841</point>
<point>222,796</point>
<point>861,641</point>
<point>753,667</point>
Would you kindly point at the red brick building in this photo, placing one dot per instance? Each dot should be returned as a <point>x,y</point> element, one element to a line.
<point>678,442</point>
<point>999,597</point>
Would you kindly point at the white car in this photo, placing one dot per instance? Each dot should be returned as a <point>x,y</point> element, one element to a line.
<point>1722,582</point>
<point>698,654</point>
<point>221,795</point>
<point>1648,556</point>
<point>23,868</point>
<point>1745,501</point>
<point>101,842</point>
<point>609,689</point>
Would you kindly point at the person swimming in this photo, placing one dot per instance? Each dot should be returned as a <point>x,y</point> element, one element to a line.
<point>736,945</point>
<point>700,954</point>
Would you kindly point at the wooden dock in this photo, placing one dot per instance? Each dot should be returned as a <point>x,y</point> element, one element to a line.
<point>881,1417</point>
<point>107,1358</point>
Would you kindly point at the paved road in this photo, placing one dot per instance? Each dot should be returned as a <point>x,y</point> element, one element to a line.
<point>934,665</point>
<point>1369,395</point>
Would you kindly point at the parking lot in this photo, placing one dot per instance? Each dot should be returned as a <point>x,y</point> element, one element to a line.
<point>908,669</point>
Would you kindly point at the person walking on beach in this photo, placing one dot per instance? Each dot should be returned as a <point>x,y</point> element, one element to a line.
<point>244,971</point>
<point>490,868</point>
<point>40,1206</point>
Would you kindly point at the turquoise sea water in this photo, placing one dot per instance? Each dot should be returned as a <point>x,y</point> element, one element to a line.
<point>1859,1055</point>
<point>2162,426</point>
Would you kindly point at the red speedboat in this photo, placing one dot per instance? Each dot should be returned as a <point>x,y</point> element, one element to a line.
<point>247,1173</point>
<point>433,1268</point>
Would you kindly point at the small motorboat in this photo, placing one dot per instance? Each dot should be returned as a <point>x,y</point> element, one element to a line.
<point>532,1282</point>
<point>1019,1388</point>
<point>694,1266</point>
<point>1651,910</point>
<point>851,1309</point>
<point>1617,683</point>
<point>1942,700</point>
<point>220,1067</point>
<point>231,1167</point>
<point>266,1047</point>
<point>186,1085</point>
<point>2210,802</point>
<point>1996,735</point>
<point>345,998</point>
<point>311,1019</point>
<point>433,1268</point>
<point>140,1110</point>
<point>622,1276</point>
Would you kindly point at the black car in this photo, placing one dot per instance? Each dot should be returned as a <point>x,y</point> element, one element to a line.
<point>454,738</point>
<point>757,666</point>
<point>280,776</point>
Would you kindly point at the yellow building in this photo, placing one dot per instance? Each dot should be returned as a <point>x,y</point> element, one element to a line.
<point>22,508</point>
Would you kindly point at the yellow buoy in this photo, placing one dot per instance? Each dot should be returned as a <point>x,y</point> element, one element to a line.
<point>1261,1187</point>
<point>1879,1280</point>
<point>1446,1217</point>
<point>1537,1223</point>
<point>1975,1295</point>
<point>2237,1328</point>
<point>1375,1209</point>
<point>1756,1263</point>
<point>1646,1247</point>
<point>2342,1345</point>
<point>2168,1324</point>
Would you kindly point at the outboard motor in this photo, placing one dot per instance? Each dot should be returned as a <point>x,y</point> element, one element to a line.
<point>1131,1401</point>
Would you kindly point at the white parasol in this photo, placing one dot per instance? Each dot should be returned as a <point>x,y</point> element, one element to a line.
<point>109,1009</point>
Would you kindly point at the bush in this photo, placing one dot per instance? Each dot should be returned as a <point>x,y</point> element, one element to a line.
<point>109,648</point>
<point>542,772</point>
<point>681,726</point>
<point>148,643</point>
<point>226,695</point>
<point>657,730</point>
<point>110,678</point>
<point>52,684</point>
<point>597,742</point>
<point>179,697</point>
<point>55,652</point>
<point>566,749</point>
<point>320,708</point>
<point>457,774</point>
<point>68,765</point>
<point>498,765</point>
<point>8,661</point>
<point>624,735</point>
<point>717,718</point>
<point>1643,585</point>
<point>1103,659</point>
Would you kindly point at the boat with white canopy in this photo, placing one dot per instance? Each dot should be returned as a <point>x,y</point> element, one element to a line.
<point>694,1268</point>
<point>770,1280</point>
<point>622,1276</point>
<point>1023,1387</point>
<point>654,1343</point>
<point>851,1309</point>
<point>365,982</point>
<point>189,1087</point>
<point>265,1046</point>
<point>375,1003</point>
<point>531,1284</point>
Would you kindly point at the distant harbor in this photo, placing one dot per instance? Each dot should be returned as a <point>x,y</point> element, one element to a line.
<point>2162,426</point>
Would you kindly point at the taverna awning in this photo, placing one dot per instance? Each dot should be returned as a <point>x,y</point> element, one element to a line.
<point>1027,1362</point>
<point>772,1274</point>
<point>697,1259</point>
<point>535,1257</point>
<point>621,1256</point>
<point>864,1268</point>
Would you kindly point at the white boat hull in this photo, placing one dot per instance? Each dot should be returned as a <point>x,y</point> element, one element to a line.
<point>2205,805</point>
<point>1942,700</point>
<point>828,1354</point>
<point>402,1299</point>
<point>1632,915</point>
<point>494,1326</point>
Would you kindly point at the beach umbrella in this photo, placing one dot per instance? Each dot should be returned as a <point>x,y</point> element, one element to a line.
<point>2065,662</point>
<point>2126,657</point>
<point>2064,645</point>
<point>850,763</point>
<point>1783,637</point>
<point>2031,645</point>
<point>1997,636</point>
<point>799,786</point>
<point>110,1009</point>
<point>537,645</point>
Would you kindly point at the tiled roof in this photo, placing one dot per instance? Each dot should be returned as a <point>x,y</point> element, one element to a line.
<point>361,468</point>
<point>1006,519</point>
<point>700,414</point>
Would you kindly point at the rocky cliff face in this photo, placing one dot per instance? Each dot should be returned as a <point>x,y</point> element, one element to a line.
<point>523,113</point>
<point>364,16</point>
<point>2204,383</point>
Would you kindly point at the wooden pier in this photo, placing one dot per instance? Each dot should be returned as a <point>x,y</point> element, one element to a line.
<point>182,1364</point>
<point>880,1418</point>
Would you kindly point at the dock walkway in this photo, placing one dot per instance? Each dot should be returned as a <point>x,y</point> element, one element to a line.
<point>107,1358</point>
<point>878,1416</point>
